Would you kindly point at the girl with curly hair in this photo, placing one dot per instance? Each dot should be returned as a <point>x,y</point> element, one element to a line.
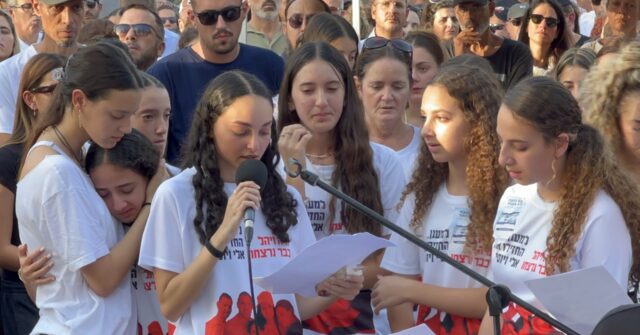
<point>610,103</point>
<point>450,202</point>
<point>322,125</point>
<point>572,207</point>
<point>193,242</point>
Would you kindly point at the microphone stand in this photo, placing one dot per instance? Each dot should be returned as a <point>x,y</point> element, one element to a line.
<point>248,237</point>
<point>498,296</point>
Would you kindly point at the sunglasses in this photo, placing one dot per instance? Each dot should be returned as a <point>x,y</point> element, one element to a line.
<point>27,7</point>
<point>516,22</point>
<point>496,26</point>
<point>44,89</point>
<point>551,22</point>
<point>296,20</point>
<point>170,19</point>
<point>210,17</point>
<point>139,29</point>
<point>381,42</point>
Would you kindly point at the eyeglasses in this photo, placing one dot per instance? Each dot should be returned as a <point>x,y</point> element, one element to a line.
<point>551,22</point>
<point>139,29</point>
<point>27,7</point>
<point>496,26</point>
<point>296,20</point>
<point>91,4</point>
<point>210,17</point>
<point>44,89</point>
<point>516,22</point>
<point>381,42</point>
<point>170,19</point>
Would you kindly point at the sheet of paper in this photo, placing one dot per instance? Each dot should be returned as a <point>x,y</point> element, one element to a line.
<point>320,260</point>
<point>420,329</point>
<point>580,298</point>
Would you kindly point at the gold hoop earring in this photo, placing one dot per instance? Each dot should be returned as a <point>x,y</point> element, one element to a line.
<point>553,169</point>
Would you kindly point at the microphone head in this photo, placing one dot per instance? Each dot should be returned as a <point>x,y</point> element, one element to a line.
<point>253,170</point>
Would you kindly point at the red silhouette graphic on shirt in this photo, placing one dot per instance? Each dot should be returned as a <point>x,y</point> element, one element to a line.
<point>518,321</point>
<point>345,317</point>
<point>239,324</point>
<point>215,326</point>
<point>288,322</point>
<point>442,323</point>
<point>266,318</point>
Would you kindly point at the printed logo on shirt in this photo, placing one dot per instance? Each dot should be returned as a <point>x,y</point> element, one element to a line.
<point>442,323</point>
<point>460,222</point>
<point>507,215</point>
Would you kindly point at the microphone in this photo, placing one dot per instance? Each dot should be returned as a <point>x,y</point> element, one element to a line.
<point>255,171</point>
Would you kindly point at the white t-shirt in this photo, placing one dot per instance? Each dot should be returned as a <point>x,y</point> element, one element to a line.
<point>409,154</point>
<point>520,231</point>
<point>444,227</point>
<point>170,243</point>
<point>10,72</point>
<point>150,318</point>
<point>58,209</point>
<point>392,182</point>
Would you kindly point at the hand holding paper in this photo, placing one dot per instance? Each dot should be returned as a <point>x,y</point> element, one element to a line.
<point>319,261</point>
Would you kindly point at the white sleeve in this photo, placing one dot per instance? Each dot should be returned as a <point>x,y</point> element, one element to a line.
<point>392,183</point>
<point>74,225</point>
<point>161,245</point>
<point>606,242</point>
<point>404,258</point>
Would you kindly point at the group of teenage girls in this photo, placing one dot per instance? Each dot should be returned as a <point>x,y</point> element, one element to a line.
<point>120,242</point>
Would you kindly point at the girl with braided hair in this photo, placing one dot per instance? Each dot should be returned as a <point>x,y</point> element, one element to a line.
<point>450,202</point>
<point>610,101</point>
<point>194,243</point>
<point>572,207</point>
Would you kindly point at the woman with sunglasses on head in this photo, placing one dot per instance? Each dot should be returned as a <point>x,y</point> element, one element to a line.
<point>298,14</point>
<point>546,35</point>
<point>335,30</point>
<point>194,243</point>
<point>322,125</point>
<point>427,58</point>
<point>610,100</point>
<point>383,80</point>
<point>58,208</point>
<point>19,314</point>
<point>572,208</point>
<point>450,202</point>
<point>440,18</point>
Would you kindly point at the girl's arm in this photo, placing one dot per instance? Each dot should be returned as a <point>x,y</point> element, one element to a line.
<point>177,291</point>
<point>8,251</point>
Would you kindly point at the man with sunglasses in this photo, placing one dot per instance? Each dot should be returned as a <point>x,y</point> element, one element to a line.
<point>169,17</point>
<point>622,20</point>
<point>511,60</point>
<point>264,29</point>
<point>142,31</point>
<point>514,19</point>
<point>187,72</point>
<point>92,9</point>
<point>27,23</point>
<point>61,22</point>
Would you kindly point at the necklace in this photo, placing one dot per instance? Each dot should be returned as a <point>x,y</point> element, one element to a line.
<point>66,144</point>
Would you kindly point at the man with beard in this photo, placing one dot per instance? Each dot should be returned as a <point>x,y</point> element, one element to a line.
<point>264,29</point>
<point>141,30</point>
<point>622,19</point>
<point>27,23</point>
<point>390,17</point>
<point>61,22</point>
<point>511,60</point>
<point>187,72</point>
<point>92,9</point>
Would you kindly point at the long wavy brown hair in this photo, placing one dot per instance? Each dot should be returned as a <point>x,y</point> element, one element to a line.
<point>589,168</point>
<point>352,151</point>
<point>478,94</point>
<point>603,89</point>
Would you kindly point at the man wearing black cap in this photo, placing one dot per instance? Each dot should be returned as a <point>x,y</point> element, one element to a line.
<point>511,60</point>
<point>61,22</point>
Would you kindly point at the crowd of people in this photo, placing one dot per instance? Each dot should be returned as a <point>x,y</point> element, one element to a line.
<point>505,134</point>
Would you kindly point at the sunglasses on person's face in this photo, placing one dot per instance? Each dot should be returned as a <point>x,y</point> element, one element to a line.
<point>44,89</point>
<point>296,20</point>
<point>381,42</point>
<point>516,22</point>
<point>170,19</point>
<point>139,29</point>
<point>228,14</point>
<point>551,22</point>
<point>27,7</point>
<point>496,26</point>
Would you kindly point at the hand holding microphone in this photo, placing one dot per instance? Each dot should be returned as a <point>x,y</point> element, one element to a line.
<point>252,174</point>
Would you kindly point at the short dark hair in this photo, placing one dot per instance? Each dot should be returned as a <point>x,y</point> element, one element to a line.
<point>157,26</point>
